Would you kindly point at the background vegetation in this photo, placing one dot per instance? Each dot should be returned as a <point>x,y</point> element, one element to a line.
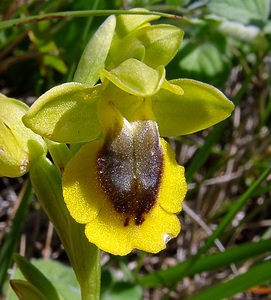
<point>224,248</point>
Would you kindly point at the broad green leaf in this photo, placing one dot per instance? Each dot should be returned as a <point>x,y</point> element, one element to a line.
<point>258,274</point>
<point>60,275</point>
<point>161,43</point>
<point>247,33</point>
<point>95,53</point>
<point>245,11</point>
<point>123,291</point>
<point>36,278</point>
<point>19,146</point>
<point>67,113</point>
<point>136,78</point>
<point>204,61</point>
<point>127,23</point>
<point>200,106</point>
<point>24,290</point>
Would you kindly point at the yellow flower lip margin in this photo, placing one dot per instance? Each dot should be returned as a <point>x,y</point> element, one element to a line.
<point>88,204</point>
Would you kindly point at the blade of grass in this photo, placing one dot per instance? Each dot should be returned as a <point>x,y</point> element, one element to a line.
<point>80,14</point>
<point>233,255</point>
<point>254,276</point>
<point>12,239</point>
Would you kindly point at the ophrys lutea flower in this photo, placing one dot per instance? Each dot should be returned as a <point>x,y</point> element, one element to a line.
<point>126,186</point>
<point>124,182</point>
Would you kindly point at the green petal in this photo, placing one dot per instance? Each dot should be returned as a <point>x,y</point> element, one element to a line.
<point>161,43</point>
<point>200,106</point>
<point>127,23</point>
<point>126,103</point>
<point>67,114</point>
<point>19,146</point>
<point>136,78</point>
<point>95,53</point>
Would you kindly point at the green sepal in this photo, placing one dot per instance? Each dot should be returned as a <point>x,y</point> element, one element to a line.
<point>136,78</point>
<point>128,23</point>
<point>19,146</point>
<point>36,278</point>
<point>161,43</point>
<point>66,113</point>
<point>200,106</point>
<point>25,290</point>
<point>95,53</point>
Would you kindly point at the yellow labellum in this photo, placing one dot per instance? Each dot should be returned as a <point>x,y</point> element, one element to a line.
<point>126,188</point>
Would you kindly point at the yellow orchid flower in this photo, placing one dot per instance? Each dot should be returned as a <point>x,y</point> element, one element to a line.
<point>126,187</point>
<point>124,183</point>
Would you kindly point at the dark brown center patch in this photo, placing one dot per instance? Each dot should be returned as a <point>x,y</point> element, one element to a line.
<point>129,169</point>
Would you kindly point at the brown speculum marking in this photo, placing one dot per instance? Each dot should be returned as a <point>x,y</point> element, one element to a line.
<point>129,168</point>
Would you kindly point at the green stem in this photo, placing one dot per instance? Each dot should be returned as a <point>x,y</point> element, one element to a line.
<point>83,256</point>
<point>80,14</point>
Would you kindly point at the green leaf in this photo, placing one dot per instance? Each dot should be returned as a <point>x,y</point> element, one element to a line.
<point>123,291</point>
<point>200,106</point>
<point>247,33</point>
<point>136,78</point>
<point>95,53</point>
<point>36,278</point>
<point>128,23</point>
<point>160,44</point>
<point>24,290</point>
<point>62,276</point>
<point>245,11</point>
<point>67,113</point>
<point>19,146</point>
<point>114,289</point>
<point>204,61</point>
<point>258,274</point>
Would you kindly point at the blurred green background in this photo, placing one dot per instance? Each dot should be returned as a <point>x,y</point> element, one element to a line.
<point>223,251</point>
